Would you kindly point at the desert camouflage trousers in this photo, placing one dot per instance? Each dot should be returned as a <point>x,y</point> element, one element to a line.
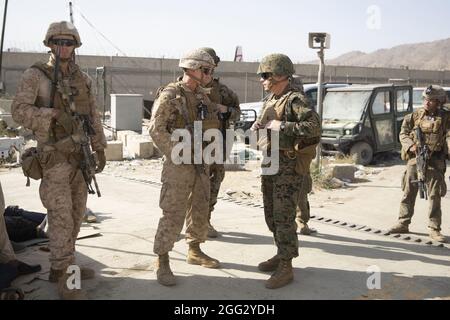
<point>6,250</point>
<point>303,208</point>
<point>281,194</point>
<point>216,174</point>
<point>436,186</point>
<point>63,193</point>
<point>184,196</point>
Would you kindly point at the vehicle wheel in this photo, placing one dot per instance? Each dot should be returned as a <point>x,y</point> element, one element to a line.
<point>362,153</point>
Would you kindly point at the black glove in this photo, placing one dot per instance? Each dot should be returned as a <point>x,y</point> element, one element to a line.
<point>101,158</point>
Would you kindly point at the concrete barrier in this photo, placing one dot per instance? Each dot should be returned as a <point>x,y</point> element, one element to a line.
<point>141,147</point>
<point>342,172</point>
<point>124,135</point>
<point>114,151</point>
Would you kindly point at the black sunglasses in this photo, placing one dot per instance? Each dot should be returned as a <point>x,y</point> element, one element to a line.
<point>64,42</point>
<point>206,71</point>
<point>266,75</point>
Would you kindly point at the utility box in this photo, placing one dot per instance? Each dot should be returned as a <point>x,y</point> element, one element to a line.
<point>8,145</point>
<point>126,112</point>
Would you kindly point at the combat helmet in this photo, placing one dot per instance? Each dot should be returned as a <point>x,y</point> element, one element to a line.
<point>435,92</point>
<point>62,28</point>
<point>196,59</point>
<point>213,54</point>
<point>277,64</point>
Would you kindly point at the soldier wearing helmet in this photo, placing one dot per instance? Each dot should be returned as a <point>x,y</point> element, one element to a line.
<point>45,104</point>
<point>185,185</point>
<point>286,111</point>
<point>227,103</point>
<point>434,122</point>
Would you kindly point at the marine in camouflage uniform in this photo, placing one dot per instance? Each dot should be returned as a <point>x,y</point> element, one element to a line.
<point>434,122</point>
<point>185,186</point>
<point>63,190</point>
<point>286,111</point>
<point>228,102</point>
<point>6,250</point>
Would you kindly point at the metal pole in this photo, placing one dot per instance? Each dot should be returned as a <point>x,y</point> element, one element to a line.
<point>73,22</point>
<point>71,13</point>
<point>1,46</point>
<point>105,93</point>
<point>161,72</point>
<point>320,101</point>
<point>246,87</point>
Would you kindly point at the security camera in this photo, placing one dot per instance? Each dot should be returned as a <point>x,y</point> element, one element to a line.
<point>319,40</point>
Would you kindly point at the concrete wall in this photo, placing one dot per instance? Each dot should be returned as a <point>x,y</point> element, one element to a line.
<point>145,75</point>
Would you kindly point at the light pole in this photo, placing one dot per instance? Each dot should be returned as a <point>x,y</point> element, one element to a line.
<point>321,41</point>
<point>1,46</point>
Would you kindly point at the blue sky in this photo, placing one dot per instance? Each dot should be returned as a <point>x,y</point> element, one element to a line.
<point>169,28</point>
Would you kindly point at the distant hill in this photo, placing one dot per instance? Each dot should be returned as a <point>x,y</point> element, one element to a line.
<point>422,56</point>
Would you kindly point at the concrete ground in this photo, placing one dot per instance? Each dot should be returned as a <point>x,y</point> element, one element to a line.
<point>333,264</point>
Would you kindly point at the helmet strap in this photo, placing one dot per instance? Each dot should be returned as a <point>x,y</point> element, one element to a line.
<point>196,79</point>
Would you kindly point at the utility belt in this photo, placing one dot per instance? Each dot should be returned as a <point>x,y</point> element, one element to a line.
<point>300,147</point>
<point>46,156</point>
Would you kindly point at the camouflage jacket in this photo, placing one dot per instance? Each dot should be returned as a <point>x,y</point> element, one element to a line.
<point>30,106</point>
<point>302,124</point>
<point>167,113</point>
<point>436,130</point>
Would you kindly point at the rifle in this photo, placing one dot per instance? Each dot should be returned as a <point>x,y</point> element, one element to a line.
<point>202,113</point>
<point>422,158</point>
<point>224,117</point>
<point>85,131</point>
<point>55,77</point>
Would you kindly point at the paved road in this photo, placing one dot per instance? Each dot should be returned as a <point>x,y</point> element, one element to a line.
<point>332,265</point>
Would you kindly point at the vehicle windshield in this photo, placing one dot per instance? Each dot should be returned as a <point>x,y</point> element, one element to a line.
<point>347,105</point>
<point>417,99</point>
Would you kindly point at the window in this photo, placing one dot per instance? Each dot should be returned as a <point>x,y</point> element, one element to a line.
<point>382,103</point>
<point>417,99</point>
<point>403,99</point>
<point>312,97</point>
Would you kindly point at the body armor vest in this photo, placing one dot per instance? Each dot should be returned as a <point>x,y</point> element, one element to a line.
<point>190,101</point>
<point>303,149</point>
<point>276,109</point>
<point>433,128</point>
<point>218,97</point>
<point>72,88</point>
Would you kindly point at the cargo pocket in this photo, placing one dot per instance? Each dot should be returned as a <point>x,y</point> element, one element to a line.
<point>31,166</point>
<point>163,201</point>
<point>443,187</point>
<point>404,180</point>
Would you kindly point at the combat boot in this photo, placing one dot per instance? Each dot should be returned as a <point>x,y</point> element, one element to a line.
<point>436,235</point>
<point>163,273</point>
<point>270,265</point>
<point>197,257</point>
<point>212,233</point>
<point>282,276</point>
<point>67,293</point>
<point>399,229</point>
<point>86,274</point>
<point>304,229</point>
